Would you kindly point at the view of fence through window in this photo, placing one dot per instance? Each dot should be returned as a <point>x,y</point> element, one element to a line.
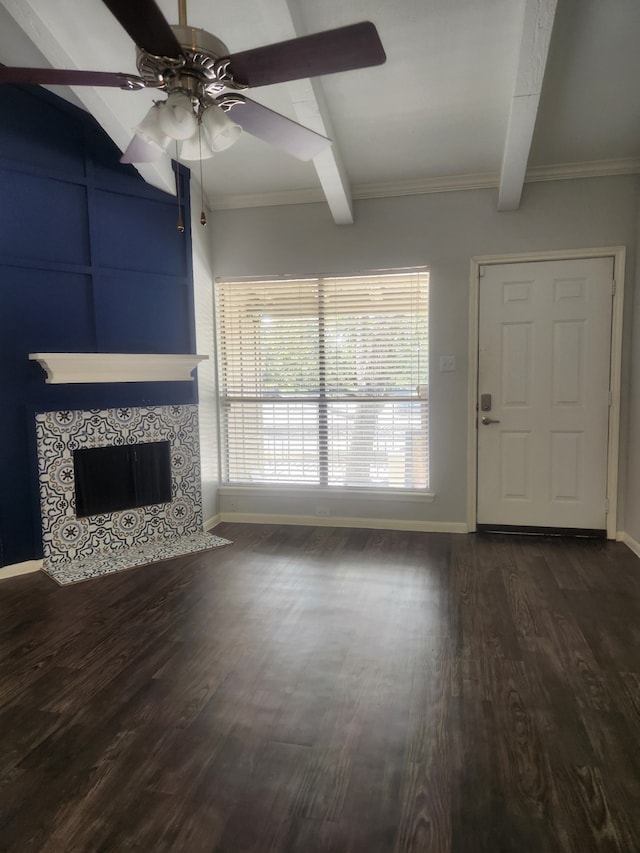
<point>325,381</point>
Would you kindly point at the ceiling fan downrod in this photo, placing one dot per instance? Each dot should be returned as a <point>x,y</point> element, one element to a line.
<point>182,13</point>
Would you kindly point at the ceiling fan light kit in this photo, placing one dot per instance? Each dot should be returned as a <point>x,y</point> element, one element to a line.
<point>176,118</point>
<point>140,151</point>
<point>193,149</point>
<point>219,130</point>
<point>203,82</point>
<point>149,129</point>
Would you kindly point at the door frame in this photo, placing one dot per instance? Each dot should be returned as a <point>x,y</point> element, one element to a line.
<point>618,253</point>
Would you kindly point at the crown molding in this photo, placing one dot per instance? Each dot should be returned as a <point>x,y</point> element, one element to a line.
<point>90,367</point>
<point>441,184</point>
<point>586,169</point>
<point>444,183</point>
<point>486,180</point>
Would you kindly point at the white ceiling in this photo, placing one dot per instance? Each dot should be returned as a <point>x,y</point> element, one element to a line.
<point>468,96</point>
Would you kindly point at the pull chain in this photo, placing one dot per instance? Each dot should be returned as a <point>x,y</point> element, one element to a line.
<point>182,20</point>
<point>180,225</point>
<point>203,215</point>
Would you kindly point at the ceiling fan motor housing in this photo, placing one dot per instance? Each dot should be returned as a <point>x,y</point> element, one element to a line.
<point>200,72</point>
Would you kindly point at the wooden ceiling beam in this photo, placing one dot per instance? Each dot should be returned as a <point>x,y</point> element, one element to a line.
<point>312,111</point>
<point>532,59</point>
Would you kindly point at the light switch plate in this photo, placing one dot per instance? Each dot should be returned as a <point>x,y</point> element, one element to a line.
<point>447,363</point>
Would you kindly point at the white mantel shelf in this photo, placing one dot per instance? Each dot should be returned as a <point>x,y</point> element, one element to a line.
<point>90,367</point>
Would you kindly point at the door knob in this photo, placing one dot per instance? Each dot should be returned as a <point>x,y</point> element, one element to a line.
<point>486,421</point>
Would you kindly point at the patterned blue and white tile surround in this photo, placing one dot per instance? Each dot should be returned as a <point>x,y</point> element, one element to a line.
<point>79,548</point>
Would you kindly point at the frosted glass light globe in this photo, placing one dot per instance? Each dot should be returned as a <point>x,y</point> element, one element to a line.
<point>177,118</point>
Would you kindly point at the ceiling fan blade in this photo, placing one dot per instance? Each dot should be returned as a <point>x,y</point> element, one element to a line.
<point>275,128</point>
<point>146,25</point>
<point>55,76</point>
<point>342,49</point>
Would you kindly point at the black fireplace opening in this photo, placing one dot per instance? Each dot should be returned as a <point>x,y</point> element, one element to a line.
<point>119,477</point>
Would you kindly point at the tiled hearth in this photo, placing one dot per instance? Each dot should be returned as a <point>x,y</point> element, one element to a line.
<point>79,548</point>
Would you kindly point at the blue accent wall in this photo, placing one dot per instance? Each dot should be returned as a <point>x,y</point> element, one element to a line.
<point>90,261</point>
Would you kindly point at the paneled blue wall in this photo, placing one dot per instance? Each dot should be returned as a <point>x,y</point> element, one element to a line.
<point>90,261</point>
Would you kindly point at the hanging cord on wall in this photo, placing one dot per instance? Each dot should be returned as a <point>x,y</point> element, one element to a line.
<point>180,225</point>
<point>203,215</point>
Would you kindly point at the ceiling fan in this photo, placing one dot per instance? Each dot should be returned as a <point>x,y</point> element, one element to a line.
<point>204,82</point>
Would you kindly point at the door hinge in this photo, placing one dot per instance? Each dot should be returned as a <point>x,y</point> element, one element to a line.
<point>480,272</point>
<point>613,286</point>
<point>606,506</point>
<point>610,399</point>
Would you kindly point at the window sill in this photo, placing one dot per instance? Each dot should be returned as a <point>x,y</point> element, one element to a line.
<point>368,494</point>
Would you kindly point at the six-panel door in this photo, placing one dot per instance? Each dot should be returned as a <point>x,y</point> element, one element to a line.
<point>544,356</point>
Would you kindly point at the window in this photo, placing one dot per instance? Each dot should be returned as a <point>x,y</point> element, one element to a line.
<point>325,381</point>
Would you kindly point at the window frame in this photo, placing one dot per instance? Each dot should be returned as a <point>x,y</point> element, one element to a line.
<point>322,401</point>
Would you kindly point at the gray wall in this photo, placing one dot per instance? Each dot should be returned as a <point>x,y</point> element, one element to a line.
<point>205,345</point>
<point>632,513</point>
<point>444,231</point>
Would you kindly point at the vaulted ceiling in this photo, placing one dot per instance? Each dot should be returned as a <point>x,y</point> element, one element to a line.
<point>474,93</point>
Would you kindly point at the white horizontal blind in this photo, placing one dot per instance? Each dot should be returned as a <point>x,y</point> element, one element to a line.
<point>325,381</point>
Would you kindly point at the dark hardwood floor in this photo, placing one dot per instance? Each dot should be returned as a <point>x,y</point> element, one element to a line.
<point>324,689</point>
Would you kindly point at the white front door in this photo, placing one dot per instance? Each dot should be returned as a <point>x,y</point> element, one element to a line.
<point>544,359</point>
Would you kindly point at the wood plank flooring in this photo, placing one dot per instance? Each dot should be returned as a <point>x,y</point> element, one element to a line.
<point>323,689</point>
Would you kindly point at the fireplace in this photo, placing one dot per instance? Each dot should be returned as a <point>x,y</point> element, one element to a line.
<point>121,476</point>
<point>76,524</point>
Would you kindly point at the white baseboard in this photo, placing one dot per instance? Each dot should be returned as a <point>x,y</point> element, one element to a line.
<point>339,521</point>
<point>16,569</point>
<point>629,541</point>
<point>210,523</point>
